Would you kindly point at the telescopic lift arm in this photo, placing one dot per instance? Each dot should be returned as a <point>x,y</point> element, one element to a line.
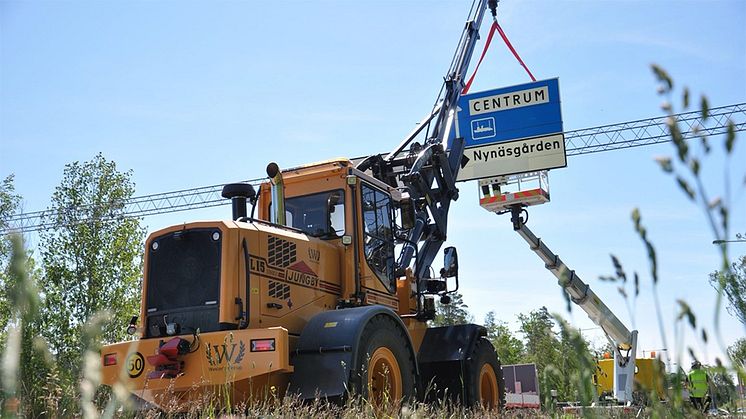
<point>623,341</point>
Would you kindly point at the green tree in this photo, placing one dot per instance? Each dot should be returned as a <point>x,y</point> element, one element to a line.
<point>722,388</point>
<point>508,347</point>
<point>19,305</point>
<point>540,339</point>
<point>19,313</point>
<point>456,312</point>
<point>600,351</point>
<point>737,355</point>
<point>24,349</point>
<point>563,360</point>
<point>733,284</point>
<point>9,203</point>
<point>542,347</point>
<point>91,258</point>
<point>577,364</point>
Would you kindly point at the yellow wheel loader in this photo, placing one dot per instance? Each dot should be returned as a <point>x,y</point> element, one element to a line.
<point>322,290</point>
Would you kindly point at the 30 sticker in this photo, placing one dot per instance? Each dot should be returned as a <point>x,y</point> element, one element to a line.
<point>135,364</point>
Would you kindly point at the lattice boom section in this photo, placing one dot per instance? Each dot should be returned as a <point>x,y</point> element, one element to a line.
<point>654,130</point>
<point>136,206</point>
<point>583,141</point>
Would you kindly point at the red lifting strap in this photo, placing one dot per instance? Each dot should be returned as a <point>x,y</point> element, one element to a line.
<point>495,27</point>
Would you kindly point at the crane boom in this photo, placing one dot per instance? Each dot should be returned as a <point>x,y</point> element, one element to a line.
<point>622,339</point>
<point>579,292</point>
<point>427,173</point>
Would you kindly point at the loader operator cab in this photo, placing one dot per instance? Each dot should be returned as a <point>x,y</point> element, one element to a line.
<point>318,215</point>
<point>318,200</point>
<point>334,202</point>
<point>331,200</point>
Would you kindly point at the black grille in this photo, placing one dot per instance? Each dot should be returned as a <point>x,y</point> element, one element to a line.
<point>183,280</point>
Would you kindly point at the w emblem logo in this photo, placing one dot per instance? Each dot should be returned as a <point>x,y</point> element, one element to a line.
<point>225,353</point>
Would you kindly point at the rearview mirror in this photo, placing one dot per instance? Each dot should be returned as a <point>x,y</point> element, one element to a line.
<point>335,198</point>
<point>450,263</point>
<point>407,213</point>
<point>335,216</point>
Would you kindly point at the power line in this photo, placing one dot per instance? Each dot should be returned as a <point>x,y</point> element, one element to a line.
<point>628,134</point>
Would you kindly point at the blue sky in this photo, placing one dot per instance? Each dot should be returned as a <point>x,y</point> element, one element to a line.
<point>196,93</point>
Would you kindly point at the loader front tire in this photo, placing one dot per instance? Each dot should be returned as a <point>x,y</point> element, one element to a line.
<point>485,384</point>
<point>387,371</point>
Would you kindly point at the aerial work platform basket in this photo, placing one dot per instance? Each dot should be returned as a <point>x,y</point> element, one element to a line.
<point>498,194</point>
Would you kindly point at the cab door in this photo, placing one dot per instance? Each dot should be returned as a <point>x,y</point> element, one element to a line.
<point>377,242</point>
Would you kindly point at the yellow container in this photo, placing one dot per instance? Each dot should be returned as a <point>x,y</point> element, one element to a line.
<point>648,377</point>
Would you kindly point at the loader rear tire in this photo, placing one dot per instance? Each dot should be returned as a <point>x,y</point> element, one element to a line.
<point>485,384</point>
<point>386,369</point>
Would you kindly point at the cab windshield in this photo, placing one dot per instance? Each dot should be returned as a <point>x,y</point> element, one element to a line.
<point>318,215</point>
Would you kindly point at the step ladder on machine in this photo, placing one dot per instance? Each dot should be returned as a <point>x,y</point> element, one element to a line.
<point>499,194</point>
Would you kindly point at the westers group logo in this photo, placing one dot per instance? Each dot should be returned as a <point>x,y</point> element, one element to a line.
<point>227,354</point>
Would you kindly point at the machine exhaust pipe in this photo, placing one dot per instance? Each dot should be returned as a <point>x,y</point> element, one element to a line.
<point>238,193</point>
<point>278,194</point>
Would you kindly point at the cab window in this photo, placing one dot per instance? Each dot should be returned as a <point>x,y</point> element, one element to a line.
<point>318,215</point>
<point>378,235</point>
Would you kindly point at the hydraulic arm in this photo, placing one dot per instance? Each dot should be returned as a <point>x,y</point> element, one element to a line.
<point>623,341</point>
<point>426,172</point>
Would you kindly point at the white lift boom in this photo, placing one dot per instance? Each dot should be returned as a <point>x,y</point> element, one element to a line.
<point>622,340</point>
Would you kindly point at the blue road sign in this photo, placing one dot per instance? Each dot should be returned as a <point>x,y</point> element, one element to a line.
<point>510,113</point>
<point>511,130</point>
